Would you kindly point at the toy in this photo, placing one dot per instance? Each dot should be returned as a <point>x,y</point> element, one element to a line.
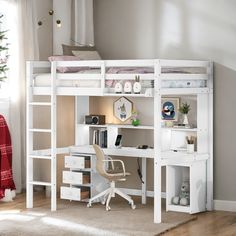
<point>118,87</point>
<point>183,198</point>
<point>127,87</point>
<point>137,85</point>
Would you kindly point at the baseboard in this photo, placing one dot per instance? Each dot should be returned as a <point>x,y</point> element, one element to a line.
<point>138,192</point>
<point>221,205</point>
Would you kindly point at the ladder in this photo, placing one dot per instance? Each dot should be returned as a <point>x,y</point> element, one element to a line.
<point>30,130</point>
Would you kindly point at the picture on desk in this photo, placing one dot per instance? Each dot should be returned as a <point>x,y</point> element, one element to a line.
<point>170,107</point>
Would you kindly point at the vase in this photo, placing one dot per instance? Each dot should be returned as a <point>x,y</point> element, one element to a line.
<point>190,148</point>
<point>185,120</point>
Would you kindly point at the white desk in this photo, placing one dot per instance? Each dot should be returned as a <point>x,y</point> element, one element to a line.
<point>126,152</point>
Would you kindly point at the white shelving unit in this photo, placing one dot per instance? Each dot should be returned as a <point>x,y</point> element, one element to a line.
<point>168,143</point>
<point>195,172</point>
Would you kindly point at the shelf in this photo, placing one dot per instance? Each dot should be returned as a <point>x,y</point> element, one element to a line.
<point>119,126</point>
<point>179,208</point>
<point>142,95</point>
<point>81,185</point>
<point>180,157</point>
<point>181,129</point>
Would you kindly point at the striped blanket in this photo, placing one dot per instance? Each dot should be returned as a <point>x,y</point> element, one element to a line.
<point>6,178</point>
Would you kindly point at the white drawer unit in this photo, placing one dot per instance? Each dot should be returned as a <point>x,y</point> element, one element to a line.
<point>77,162</point>
<point>72,193</point>
<point>81,176</point>
<point>78,178</point>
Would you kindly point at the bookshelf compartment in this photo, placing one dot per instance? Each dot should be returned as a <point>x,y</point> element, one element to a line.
<point>99,136</point>
<point>195,173</point>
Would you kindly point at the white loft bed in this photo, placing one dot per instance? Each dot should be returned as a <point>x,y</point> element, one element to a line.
<point>97,78</point>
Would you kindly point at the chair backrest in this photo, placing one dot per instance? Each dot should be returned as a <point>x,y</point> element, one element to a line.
<point>100,165</point>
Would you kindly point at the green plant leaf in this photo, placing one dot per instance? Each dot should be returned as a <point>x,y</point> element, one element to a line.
<point>184,108</point>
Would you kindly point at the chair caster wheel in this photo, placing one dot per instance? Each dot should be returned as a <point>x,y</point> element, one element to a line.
<point>133,206</point>
<point>89,205</point>
<point>108,208</point>
<point>103,202</point>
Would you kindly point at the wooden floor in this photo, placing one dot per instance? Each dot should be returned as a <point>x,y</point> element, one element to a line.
<point>217,223</point>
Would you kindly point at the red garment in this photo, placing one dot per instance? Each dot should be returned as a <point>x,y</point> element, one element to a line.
<point>6,178</point>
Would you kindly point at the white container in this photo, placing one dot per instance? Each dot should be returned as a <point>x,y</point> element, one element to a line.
<point>190,148</point>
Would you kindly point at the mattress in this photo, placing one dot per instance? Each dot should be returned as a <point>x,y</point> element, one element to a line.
<point>44,80</point>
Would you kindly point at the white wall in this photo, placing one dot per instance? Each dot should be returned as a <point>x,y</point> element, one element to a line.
<point>181,29</point>
<point>45,30</point>
<point>62,12</point>
<point>50,37</point>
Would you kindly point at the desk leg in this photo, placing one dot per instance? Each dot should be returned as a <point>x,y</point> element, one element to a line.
<point>144,185</point>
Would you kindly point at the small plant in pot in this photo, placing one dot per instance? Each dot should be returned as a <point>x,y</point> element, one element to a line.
<point>134,119</point>
<point>184,109</point>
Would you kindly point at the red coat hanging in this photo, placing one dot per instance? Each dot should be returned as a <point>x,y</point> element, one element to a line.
<point>6,178</point>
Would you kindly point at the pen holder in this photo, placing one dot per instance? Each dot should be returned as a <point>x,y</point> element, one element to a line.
<point>190,148</point>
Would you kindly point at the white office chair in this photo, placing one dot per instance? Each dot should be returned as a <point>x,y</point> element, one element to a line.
<point>112,176</point>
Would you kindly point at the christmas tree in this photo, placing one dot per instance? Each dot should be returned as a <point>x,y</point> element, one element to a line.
<point>3,53</point>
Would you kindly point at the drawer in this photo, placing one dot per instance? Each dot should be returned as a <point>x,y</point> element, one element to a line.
<point>72,193</point>
<point>79,162</point>
<point>70,177</point>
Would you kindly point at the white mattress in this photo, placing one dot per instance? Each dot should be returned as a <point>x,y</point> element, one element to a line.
<point>44,80</point>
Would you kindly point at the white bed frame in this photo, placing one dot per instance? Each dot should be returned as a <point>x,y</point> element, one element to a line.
<point>204,96</point>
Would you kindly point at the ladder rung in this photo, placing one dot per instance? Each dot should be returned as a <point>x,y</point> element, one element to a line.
<point>40,183</point>
<point>41,130</point>
<point>40,157</point>
<point>40,103</point>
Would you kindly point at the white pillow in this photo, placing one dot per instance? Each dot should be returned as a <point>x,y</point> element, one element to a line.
<point>87,55</point>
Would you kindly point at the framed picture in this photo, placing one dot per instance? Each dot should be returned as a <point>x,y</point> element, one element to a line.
<point>170,107</point>
<point>122,108</point>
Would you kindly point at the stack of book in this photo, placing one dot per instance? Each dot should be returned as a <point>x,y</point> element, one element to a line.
<point>100,137</point>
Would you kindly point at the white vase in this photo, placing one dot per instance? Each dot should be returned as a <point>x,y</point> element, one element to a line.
<point>185,121</point>
<point>190,148</point>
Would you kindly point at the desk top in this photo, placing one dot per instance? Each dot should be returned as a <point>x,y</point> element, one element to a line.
<point>123,151</point>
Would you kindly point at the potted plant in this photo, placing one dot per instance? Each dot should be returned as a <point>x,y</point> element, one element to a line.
<point>184,109</point>
<point>134,119</point>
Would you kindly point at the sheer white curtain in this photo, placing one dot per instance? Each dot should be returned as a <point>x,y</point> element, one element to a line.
<point>82,27</point>
<point>23,46</point>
